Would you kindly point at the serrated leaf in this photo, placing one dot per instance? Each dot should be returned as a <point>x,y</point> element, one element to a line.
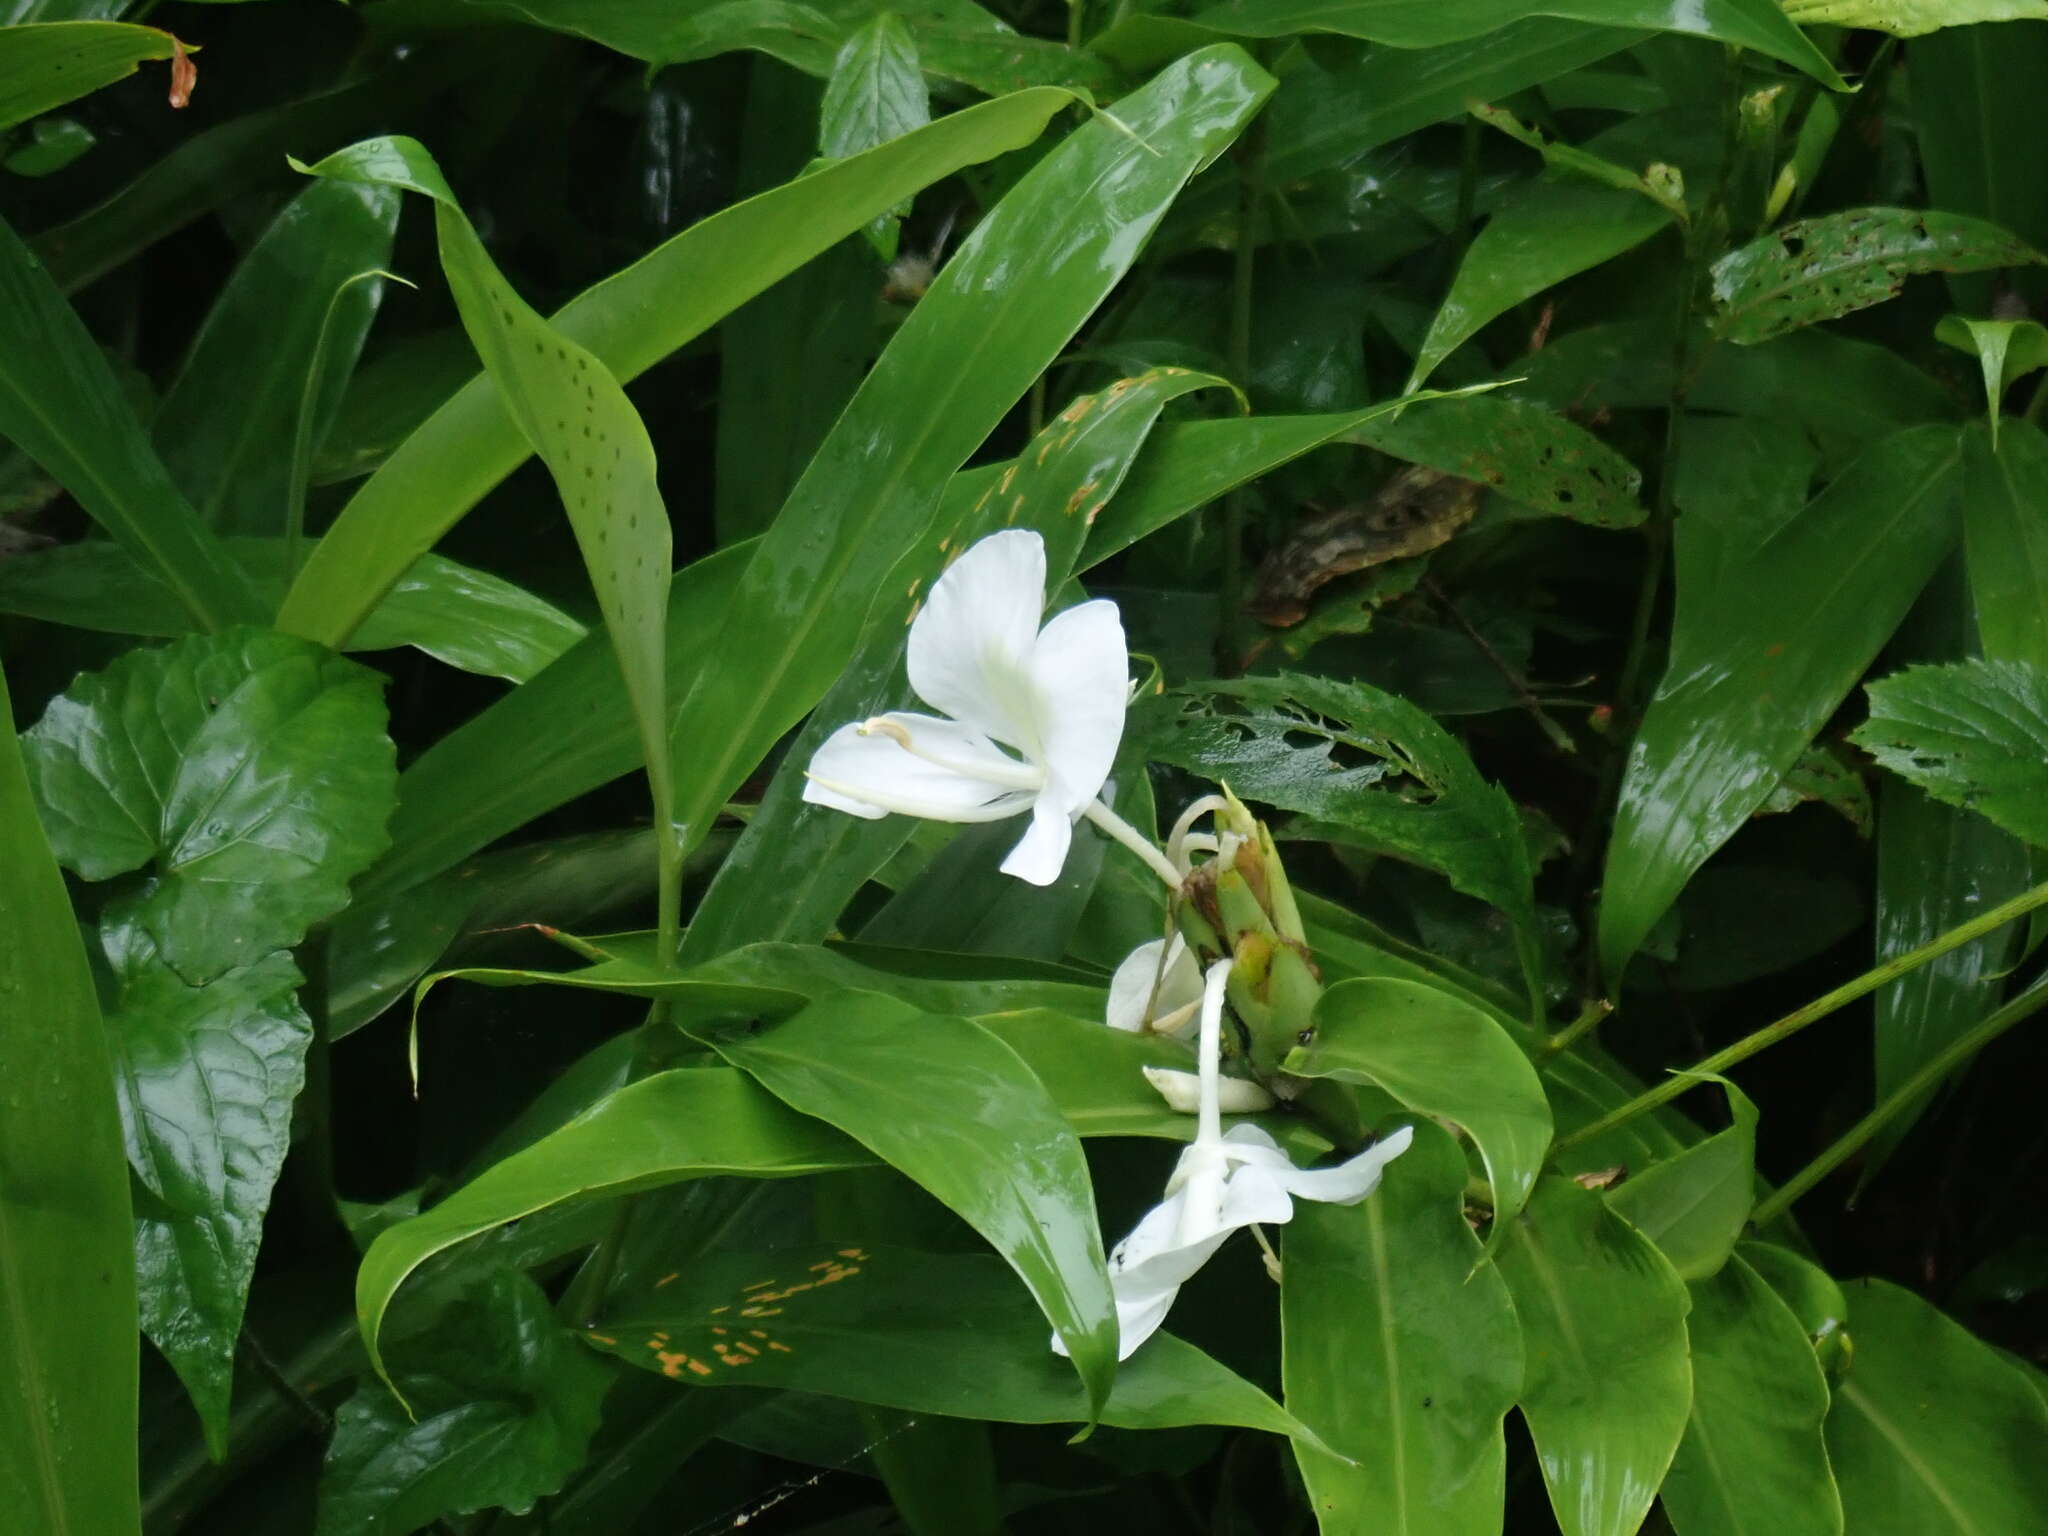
<point>1973,734</point>
<point>504,1401</point>
<point>1437,1055</point>
<point>250,767</point>
<point>876,90</point>
<point>1609,1386</point>
<point>1822,268</point>
<point>207,1076</point>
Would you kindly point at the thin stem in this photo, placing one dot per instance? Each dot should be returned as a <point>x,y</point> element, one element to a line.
<point>1209,1125</point>
<point>1559,736</point>
<point>1134,840</point>
<point>1819,1008</point>
<point>1908,1092</point>
<point>1589,1018</point>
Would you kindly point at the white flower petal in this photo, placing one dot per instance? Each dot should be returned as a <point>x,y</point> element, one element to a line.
<point>1131,988</point>
<point>1082,674</point>
<point>1348,1183</point>
<point>971,643</point>
<point>1041,853</point>
<point>1183,1092</point>
<point>868,775</point>
<point>1255,1194</point>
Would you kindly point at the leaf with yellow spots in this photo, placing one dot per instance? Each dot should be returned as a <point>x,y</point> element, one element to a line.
<point>939,1333</point>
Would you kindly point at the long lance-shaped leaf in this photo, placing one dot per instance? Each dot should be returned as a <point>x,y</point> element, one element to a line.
<point>629,322</point>
<point>60,404</point>
<point>998,315</point>
<point>45,64</point>
<point>575,414</point>
<point>67,1254</point>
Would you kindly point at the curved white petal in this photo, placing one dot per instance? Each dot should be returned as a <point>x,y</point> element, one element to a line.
<point>1350,1182</point>
<point>1133,1001</point>
<point>1255,1194</point>
<point>1183,1092</point>
<point>1081,672</point>
<point>972,641</point>
<point>868,775</point>
<point>1041,853</point>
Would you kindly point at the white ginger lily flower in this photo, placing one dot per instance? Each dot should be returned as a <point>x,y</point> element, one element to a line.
<point>1158,987</point>
<point>1222,1182</point>
<point>1055,695</point>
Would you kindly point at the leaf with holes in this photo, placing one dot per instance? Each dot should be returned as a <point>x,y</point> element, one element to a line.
<point>206,1076</point>
<point>1822,268</point>
<point>1974,735</point>
<point>252,768</point>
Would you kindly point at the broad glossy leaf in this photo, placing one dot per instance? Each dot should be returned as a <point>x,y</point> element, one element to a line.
<point>559,736</point>
<point>1020,285</point>
<point>67,1332</point>
<point>1810,1291</point>
<point>1931,1431</point>
<point>661,1130</point>
<point>44,64</point>
<point>61,405</point>
<point>1741,480</point>
<point>1973,734</point>
<point>228,420</point>
<point>2008,351</point>
<point>1821,268</point>
<point>499,1406</point>
<point>1753,24</point>
<point>207,1076</point>
<point>1440,1056</point>
<point>456,614</point>
<point>1911,18</point>
<point>1608,1386</point>
<point>964,1116</point>
<point>1403,1353</point>
<point>1752,1462</point>
<point>1695,1205</point>
<point>629,322</point>
<point>1768,660</point>
<point>250,769</point>
<point>1543,233</point>
<point>2005,487</point>
<point>797,865</point>
<point>937,1333</point>
<point>876,92</point>
<point>575,414</point>
<point>1416,796</point>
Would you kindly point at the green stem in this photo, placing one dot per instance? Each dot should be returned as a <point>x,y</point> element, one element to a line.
<point>1251,201</point>
<point>1819,1008</point>
<point>1589,1018</point>
<point>1909,1092</point>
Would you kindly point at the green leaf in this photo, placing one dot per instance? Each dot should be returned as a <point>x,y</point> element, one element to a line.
<point>60,404</point>
<point>962,1115</point>
<point>1931,1432</point>
<point>1757,670</point>
<point>876,92</point>
<point>1608,1387</point>
<point>503,1402</point>
<point>1973,735</point>
<point>1543,232</point>
<point>45,64</point>
<point>1821,268</point>
<point>1441,1056</point>
<point>207,1076</point>
<point>629,322</point>
<point>464,617</point>
<point>252,768</point>
<point>661,1130</point>
<point>67,1332</point>
<point>998,314</point>
<point>1755,24</point>
<point>2005,486</point>
<point>1752,1462</point>
<point>1415,795</point>
<point>928,1333</point>
<point>1911,18</point>
<point>1810,1291</point>
<point>1695,1205</point>
<point>238,398</point>
<point>1402,1352</point>
<point>2008,351</point>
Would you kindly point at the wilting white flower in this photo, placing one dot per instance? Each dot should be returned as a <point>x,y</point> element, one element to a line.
<point>1183,1092</point>
<point>1055,696</point>
<point>1222,1182</point>
<point>1157,987</point>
